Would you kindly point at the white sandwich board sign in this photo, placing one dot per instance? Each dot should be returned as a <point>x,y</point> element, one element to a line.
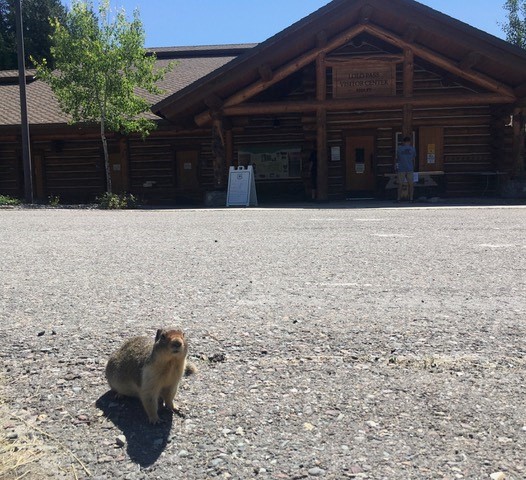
<point>241,187</point>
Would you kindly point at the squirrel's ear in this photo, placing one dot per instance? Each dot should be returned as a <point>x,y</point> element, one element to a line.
<point>158,334</point>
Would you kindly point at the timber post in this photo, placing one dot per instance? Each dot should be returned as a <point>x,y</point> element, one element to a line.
<point>518,141</point>
<point>408,75</point>
<point>125,164</point>
<point>407,125</point>
<point>218,152</point>
<point>229,148</point>
<point>322,190</point>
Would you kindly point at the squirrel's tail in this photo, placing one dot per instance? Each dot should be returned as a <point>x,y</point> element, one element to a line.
<point>189,369</point>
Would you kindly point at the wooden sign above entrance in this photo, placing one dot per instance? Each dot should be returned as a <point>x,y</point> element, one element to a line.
<point>364,78</point>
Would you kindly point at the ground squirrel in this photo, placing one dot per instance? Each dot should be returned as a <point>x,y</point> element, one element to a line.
<point>150,370</point>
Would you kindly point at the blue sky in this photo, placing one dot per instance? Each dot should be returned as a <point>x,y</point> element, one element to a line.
<point>211,22</point>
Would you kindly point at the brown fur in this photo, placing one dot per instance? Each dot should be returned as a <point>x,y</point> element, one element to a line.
<point>150,370</point>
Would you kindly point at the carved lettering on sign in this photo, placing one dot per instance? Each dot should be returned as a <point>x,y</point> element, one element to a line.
<point>364,79</point>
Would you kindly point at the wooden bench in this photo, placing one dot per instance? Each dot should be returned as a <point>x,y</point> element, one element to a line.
<point>422,179</point>
<point>434,181</point>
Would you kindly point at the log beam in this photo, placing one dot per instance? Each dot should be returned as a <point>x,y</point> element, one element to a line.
<point>265,72</point>
<point>506,93</point>
<point>440,61</point>
<point>408,72</point>
<point>213,102</point>
<point>335,61</point>
<point>283,72</point>
<point>360,103</point>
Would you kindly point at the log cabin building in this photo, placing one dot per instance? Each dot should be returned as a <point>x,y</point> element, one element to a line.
<point>347,81</point>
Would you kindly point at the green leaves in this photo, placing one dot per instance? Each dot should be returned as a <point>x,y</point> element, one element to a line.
<point>35,15</point>
<point>100,65</point>
<point>515,28</point>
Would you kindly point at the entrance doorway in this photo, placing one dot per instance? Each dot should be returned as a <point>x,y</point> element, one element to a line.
<point>117,185</point>
<point>186,170</point>
<point>360,176</point>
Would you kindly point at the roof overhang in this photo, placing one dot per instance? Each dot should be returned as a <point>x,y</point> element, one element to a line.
<point>434,37</point>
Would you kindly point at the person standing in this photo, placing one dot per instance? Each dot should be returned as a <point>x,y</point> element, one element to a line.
<point>405,166</point>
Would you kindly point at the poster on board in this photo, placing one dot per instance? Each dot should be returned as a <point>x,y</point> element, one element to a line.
<point>241,187</point>
<point>272,162</point>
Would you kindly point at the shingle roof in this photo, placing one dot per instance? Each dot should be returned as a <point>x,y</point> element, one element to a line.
<point>42,107</point>
<point>202,50</point>
<point>185,72</point>
<point>6,75</point>
<point>191,63</point>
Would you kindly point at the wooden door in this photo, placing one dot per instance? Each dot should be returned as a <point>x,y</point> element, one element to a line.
<point>360,163</point>
<point>116,172</point>
<point>187,162</point>
<point>39,184</point>
<point>431,149</point>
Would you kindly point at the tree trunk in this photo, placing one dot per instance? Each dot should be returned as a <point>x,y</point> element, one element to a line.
<point>106,157</point>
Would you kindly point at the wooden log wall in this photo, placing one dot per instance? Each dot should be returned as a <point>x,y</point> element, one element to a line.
<point>153,166</point>
<point>71,169</point>
<point>270,130</point>
<point>279,130</point>
<point>469,150</point>
<point>476,140</point>
<point>11,174</point>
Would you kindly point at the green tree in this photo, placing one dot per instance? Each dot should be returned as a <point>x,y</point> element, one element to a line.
<point>515,27</point>
<point>37,29</point>
<point>100,63</point>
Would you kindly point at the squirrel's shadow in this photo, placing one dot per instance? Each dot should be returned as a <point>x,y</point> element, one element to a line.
<point>144,442</point>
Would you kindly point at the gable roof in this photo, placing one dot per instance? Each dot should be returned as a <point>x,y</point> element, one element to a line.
<point>191,64</point>
<point>404,22</point>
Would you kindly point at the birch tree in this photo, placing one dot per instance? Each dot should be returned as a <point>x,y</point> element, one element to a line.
<point>100,63</point>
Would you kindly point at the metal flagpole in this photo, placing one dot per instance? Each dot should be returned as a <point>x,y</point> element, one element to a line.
<point>26,151</point>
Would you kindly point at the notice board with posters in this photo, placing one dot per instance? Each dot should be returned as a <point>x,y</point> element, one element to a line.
<point>241,187</point>
<point>272,162</point>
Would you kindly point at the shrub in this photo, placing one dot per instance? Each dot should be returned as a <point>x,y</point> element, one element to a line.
<point>5,200</point>
<point>53,200</point>
<point>112,201</point>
